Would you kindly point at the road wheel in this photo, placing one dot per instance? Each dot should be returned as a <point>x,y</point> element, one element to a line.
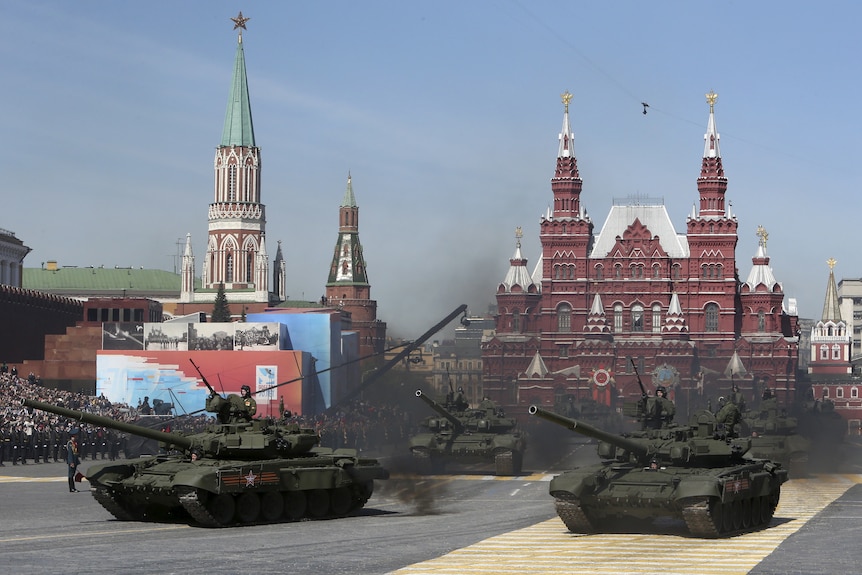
<point>248,507</point>
<point>295,505</point>
<point>318,502</point>
<point>726,517</point>
<point>746,513</point>
<point>736,513</point>
<point>272,506</point>
<point>222,508</point>
<point>341,501</point>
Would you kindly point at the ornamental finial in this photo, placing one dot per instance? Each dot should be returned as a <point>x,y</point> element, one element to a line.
<point>761,233</point>
<point>239,22</point>
<point>831,263</point>
<point>566,99</point>
<point>518,236</point>
<point>711,97</point>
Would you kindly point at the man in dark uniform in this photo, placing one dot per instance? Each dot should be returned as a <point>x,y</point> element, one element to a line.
<point>72,459</point>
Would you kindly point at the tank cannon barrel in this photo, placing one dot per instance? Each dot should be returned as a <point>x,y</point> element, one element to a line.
<point>456,423</point>
<point>175,440</point>
<point>590,431</point>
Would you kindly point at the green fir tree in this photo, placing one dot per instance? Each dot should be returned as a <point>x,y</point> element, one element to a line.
<point>221,309</point>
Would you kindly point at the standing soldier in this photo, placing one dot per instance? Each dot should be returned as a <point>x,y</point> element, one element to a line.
<point>72,459</point>
<point>5,443</point>
<point>54,439</point>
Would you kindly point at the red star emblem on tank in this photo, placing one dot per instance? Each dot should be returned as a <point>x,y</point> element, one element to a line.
<point>249,479</point>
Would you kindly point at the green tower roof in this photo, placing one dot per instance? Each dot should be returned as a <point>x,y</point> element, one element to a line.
<point>238,127</point>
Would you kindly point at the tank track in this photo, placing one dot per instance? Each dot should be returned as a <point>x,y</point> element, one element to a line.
<point>573,516</point>
<point>699,520</point>
<point>194,507</point>
<point>702,520</point>
<point>504,463</point>
<point>107,500</point>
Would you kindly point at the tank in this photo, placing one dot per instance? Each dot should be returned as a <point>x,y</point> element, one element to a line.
<point>774,435</point>
<point>699,473</point>
<point>240,470</point>
<point>460,434</point>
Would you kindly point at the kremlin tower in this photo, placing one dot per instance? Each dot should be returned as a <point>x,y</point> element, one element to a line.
<point>347,286</point>
<point>236,257</point>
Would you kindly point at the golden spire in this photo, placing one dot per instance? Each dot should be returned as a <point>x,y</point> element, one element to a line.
<point>566,99</point>
<point>711,97</point>
<point>761,233</point>
<point>831,263</point>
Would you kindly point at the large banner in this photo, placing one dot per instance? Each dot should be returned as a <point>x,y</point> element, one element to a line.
<point>180,336</point>
<point>168,377</point>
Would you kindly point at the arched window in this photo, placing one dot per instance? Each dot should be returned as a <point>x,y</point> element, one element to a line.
<point>231,182</point>
<point>676,271</point>
<point>704,269</point>
<point>249,266</point>
<point>854,392</point>
<point>836,351</point>
<point>825,392</point>
<point>637,317</point>
<point>516,320</point>
<point>229,268</point>
<point>618,317</point>
<point>656,318</point>
<point>839,392</point>
<point>599,271</point>
<point>618,271</point>
<point>711,317</point>
<point>656,271</point>
<point>564,318</point>
<point>824,352</point>
<point>761,321</point>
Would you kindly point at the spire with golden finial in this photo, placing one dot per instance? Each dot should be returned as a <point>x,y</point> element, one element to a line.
<point>711,97</point>
<point>239,22</point>
<point>567,97</point>
<point>762,235</point>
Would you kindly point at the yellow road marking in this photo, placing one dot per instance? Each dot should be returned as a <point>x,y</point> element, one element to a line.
<point>549,548</point>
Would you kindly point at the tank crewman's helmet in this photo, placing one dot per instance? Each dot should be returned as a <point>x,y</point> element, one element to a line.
<point>245,390</point>
<point>660,390</point>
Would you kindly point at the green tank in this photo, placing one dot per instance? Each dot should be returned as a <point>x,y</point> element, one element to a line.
<point>775,435</point>
<point>461,434</point>
<point>240,470</point>
<point>699,473</point>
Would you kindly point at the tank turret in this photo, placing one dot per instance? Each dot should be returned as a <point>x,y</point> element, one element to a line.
<point>703,442</point>
<point>700,473</point>
<point>478,435</point>
<point>457,424</point>
<point>231,438</point>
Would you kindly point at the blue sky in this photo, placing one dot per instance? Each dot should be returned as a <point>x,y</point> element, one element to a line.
<point>445,113</point>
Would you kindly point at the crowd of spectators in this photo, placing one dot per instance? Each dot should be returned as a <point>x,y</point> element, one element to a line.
<point>33,436</point>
